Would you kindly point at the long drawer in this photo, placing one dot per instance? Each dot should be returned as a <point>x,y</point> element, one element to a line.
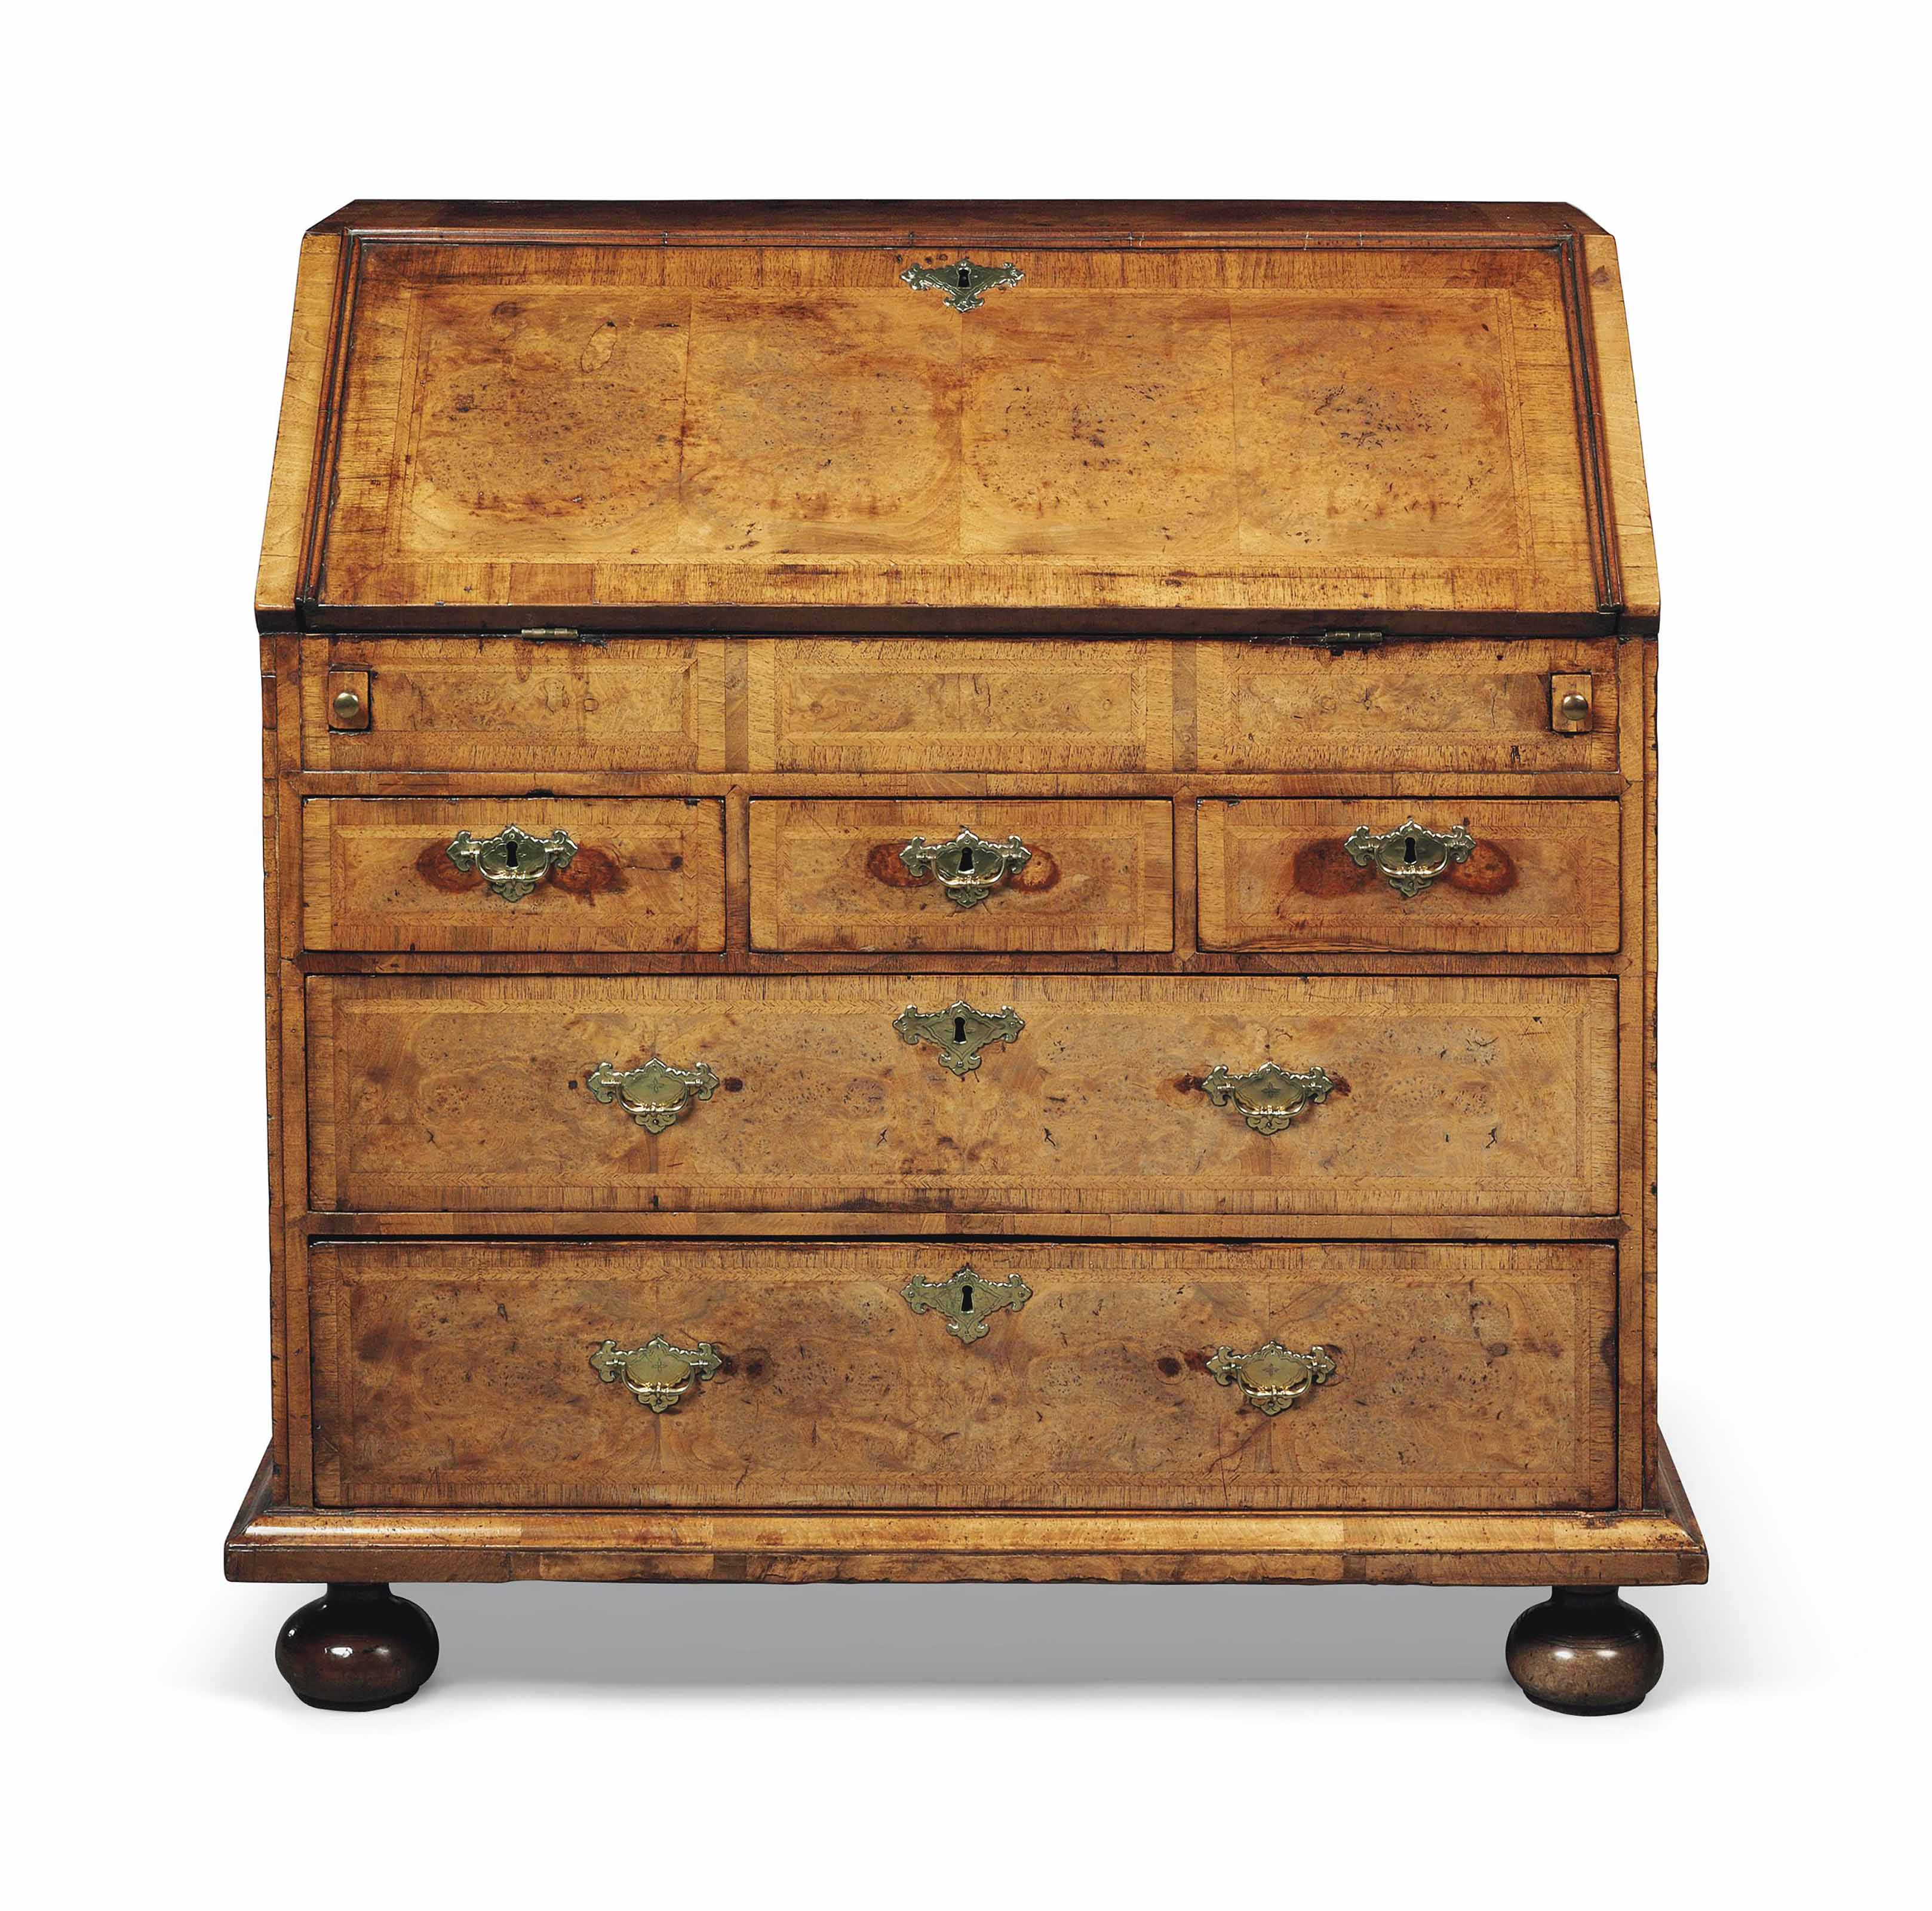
<point>485,1373</point>
<point>552,874</point>
<point>964,1094</point>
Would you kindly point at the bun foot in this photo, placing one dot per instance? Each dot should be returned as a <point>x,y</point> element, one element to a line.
<point>356,1649</point>
<point>1584,1650</point>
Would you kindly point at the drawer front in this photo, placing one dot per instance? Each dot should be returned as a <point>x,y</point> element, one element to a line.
<point>461,1374</point>
<point>1466,705</point>
<point>509,704</point>
<point>838,875</point>
<point>1472,1095</point>
<point>843,704</point>
<point>641,874</point>
<point>1527,878</point>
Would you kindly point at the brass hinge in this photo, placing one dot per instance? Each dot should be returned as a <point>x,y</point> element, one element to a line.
<point>563,634</point>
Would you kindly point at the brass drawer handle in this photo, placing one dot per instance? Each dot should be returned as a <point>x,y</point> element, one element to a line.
<point>969,867</point>
<point>510,862</point>
<point>1410,856</point>
<point>658,1373</point>
<point>959,1033</point>
<point>654,1095</point>
<point>966,1300</point>
<point>1269,1097</point>
<point>1273,1378</point>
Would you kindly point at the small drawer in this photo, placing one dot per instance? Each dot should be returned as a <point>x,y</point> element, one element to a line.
<point>842,704</point>
<point>947,874</point>
<point>557,874</point>
<point>1419,873</point>
<point>512,703</point>
<point>1465,704</point>
<point>965,1095</point>
<point>486,1373</point>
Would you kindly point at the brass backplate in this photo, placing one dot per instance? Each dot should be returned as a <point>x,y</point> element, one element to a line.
<point>1273,1377</point>
<point>970,867</point>
<point>511,862</point>
<point>964,284</point>
<point>654,1095</point>
<point>959,1033</point>
<point>1409,855</point>
<point>658,1374</point>
<point>1269,1097</point>
<point>966,1299</point>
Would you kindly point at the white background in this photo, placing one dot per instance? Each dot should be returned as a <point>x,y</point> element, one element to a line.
<point>987,1745</point>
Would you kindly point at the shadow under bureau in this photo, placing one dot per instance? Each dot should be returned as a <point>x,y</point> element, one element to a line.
<point>961,892</point>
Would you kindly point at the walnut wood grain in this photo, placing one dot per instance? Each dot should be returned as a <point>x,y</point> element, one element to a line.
<point>1457,706</point>
<point>916,703</point>
<point>1543,877</point>
<point>1656,1546</point>
<point>1326,426</point>
<point>1472,1096</point>
<point>507,703</point>
<point>647,874</point>
<point>294,511</point>
<point>829,876</point>
<point>1025,571</point>
<point>452,1374</point>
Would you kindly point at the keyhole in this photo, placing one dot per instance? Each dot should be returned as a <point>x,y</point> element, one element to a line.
<point>958,1028</point>
<point>965,278</point>
<point>1408,849</point>
<point>966,863</point>
<point>965,1300</point>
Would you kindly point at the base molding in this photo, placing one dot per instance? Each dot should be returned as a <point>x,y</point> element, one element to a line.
<point>1659,1546</point>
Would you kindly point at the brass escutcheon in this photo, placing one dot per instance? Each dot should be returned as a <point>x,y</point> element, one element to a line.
<point>657,1373</point>
<point>964,284</point>
<point>966,1300</point>
<point>959,1033</point>
<point>969,867</point>
<point>1273,1378</point>
<point>1270,1096</point>
<point>510,862</point>
<point>655,1094</point>
<point>1410,856</point>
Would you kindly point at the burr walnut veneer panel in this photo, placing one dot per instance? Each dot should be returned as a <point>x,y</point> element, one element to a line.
<point>508,703</point>
<point>830,876</point>
<point>645,874</point>
<point>1318,426</point>
<point>1542,877</point>
<point>459,1375</point>
<point>1471,1096</point>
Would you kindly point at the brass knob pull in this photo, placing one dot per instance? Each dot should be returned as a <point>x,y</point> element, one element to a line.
<point>1273,1377</point>
<point>510,862</point>
<point>969,867</point>
<point>346,705</point>
<point>966,1300</point>
<point>1269,1097</point>
<point>1409,855</point>
<point>658,1374</point>
<point>1574,707</point>
<point>655,1094</point>
<point>959,1033</point>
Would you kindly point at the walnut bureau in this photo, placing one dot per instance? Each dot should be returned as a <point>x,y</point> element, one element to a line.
<point>961,892</point>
